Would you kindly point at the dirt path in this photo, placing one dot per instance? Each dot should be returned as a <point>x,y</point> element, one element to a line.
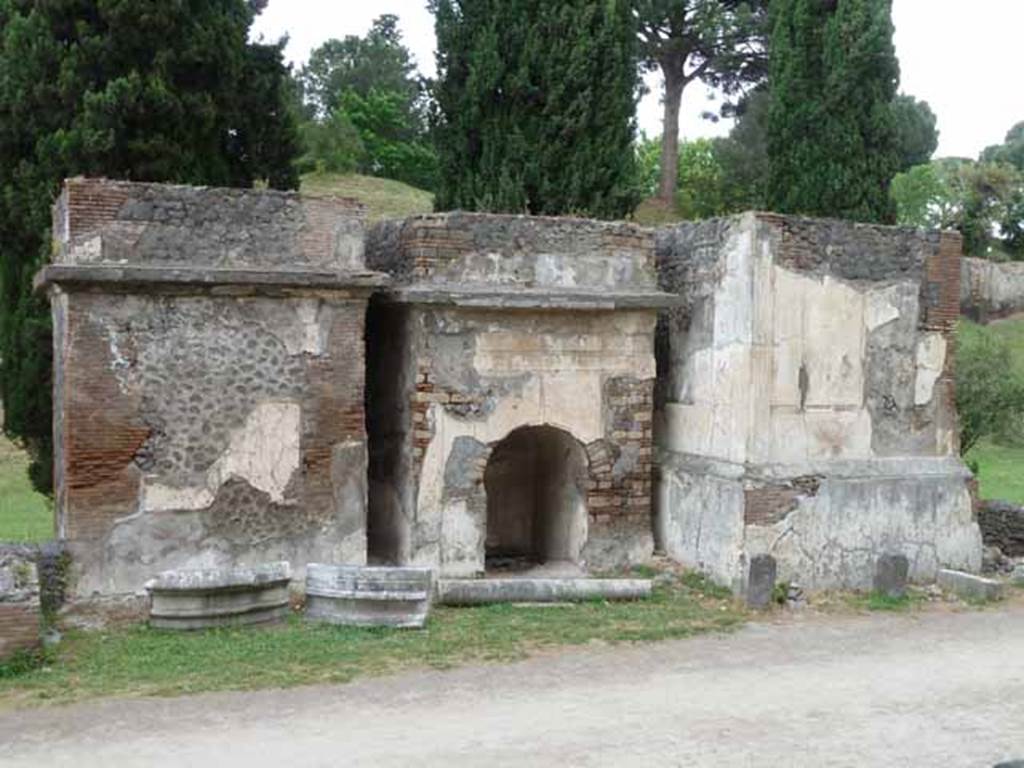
<point>921,690</point>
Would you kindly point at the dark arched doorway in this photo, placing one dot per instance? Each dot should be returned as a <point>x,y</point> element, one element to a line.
<point>536,499</point>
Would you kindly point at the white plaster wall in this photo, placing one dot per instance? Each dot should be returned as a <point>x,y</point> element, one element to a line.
<point>833,539</point>
<point>566,370</point>
<point>699,522</point>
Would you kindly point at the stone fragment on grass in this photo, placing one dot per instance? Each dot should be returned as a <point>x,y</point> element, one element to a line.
<point>968,586</point>
<point>219,597</point>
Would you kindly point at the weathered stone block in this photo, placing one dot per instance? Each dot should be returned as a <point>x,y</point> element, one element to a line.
<point>368,596</point>
<point>516,590</point>
<point>891,576</point>
<point>219,597</point>
<point>969,586</point>
<point>761,581</point>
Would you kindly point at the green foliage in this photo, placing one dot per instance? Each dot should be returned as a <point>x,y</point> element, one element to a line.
<point>145,90</point>
<point>379,61</point>
<point>1010,154</point>
<point>975,198</point>
<point>998,470</point>
<point>393,147</point>
<point>332,145</point>
<point>366,109</point>
<point>832,142</point>
<point>719,42</point>
<point>916,133</point>
<point>535,106</point>
<point>989,389</point>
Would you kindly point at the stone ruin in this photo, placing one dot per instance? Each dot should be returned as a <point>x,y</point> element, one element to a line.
<point>253,376</point>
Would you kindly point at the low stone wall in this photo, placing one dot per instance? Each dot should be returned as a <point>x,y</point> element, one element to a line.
<point>1002,525</point>
<point>990,290</point>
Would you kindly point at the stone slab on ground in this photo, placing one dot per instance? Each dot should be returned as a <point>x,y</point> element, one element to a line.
<point>761,581</point>
<point>891,576</point>
<point>513,590</point>
<point>368,596</point>
<point>969,586</point>
<point>219,597</point>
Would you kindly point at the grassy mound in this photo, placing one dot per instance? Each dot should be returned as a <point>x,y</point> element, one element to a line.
<point>384,198</point>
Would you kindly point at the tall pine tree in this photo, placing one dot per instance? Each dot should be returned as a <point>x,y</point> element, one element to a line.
<point>832,144</point>
<point>535,106</point>
<point>150,90</point>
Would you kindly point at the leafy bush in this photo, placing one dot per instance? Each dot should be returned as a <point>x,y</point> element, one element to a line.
<point>989,391</point>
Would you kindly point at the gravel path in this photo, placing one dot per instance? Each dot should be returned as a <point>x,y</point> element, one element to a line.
<point>929,689</point>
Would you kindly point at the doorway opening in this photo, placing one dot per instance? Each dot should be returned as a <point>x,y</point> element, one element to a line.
<point>535,482</point>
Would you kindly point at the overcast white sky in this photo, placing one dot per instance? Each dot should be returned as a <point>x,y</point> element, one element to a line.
<point>963,58</point>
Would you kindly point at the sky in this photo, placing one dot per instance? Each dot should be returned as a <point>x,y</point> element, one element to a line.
<point>963,58</point>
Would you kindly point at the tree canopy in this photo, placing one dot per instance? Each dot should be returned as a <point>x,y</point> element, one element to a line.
<point>718,42</point>
<point>535,106</point>
<point>366,108</point>
<point>833,146</point>
<point>136,89</point>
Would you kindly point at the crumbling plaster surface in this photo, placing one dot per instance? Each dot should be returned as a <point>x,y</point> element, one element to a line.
<point>522,369</point>
<point>805,404</point>
<point>827,536</point>
<point>222,391</point>
<point>786,366</point>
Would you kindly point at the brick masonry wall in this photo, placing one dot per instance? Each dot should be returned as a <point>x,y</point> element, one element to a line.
<point>19,628</point>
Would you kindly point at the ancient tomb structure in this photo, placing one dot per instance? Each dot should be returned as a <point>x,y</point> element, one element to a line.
<point>511,375</point>
<point>806,400</point>
<point>227,392</point>
<point>209,380</point>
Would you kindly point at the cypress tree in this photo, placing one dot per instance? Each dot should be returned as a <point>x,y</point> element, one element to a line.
<point>832,143</point>
<point>150,90</point>
<point>536,106</point>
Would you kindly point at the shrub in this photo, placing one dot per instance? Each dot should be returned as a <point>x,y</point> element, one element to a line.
<point>989,392</point>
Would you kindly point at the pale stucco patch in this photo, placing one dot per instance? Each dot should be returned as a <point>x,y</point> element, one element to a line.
<point>931,358</point>
<point>264,452</point>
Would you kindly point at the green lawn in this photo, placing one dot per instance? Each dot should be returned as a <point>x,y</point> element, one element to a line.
<point>383,198</point>
<point>1001,467</point>
<point>24,514</point>
<point>142,661</point>
<point>1000,471</point>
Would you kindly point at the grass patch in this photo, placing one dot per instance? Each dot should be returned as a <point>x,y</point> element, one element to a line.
<point>384,198</point>
<point>24,514</point>
<point>1000,470</point>
<point>141,661</point>
<point>882,603</point>
<point>1001,467</point>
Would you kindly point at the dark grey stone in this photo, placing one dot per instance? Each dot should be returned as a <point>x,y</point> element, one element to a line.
<point>761,582</point>
<point>891,575</point>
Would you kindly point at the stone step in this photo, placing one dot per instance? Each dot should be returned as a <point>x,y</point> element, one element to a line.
<point>518,590</point>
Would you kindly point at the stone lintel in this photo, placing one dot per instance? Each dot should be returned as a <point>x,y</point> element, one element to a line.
<point>468,296</point>
<point>125,278</point>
